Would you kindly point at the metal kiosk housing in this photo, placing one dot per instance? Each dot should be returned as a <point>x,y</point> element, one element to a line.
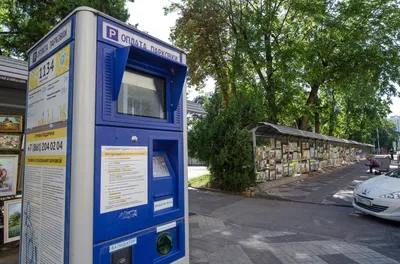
<point>105,177</point>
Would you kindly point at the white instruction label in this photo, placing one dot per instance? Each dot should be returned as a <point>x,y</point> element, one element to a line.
<point>123,244</point>
<point>166,227</point>
<point>163,204</point>
<point>123,177</point>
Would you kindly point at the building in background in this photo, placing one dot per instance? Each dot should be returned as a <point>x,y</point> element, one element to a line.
<point>396,120</point>
<point>13,79</point>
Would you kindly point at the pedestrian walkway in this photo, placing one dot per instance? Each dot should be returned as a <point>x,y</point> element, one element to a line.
<point>215,241</point>
<point>335,187</point>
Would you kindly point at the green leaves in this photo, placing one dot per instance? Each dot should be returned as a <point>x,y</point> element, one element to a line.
<point>220,139</point>
<point>24,22</point>
<point>332,65</point>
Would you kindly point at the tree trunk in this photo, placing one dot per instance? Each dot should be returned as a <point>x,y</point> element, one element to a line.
<point>331,121</point>
<point>270,88</point>
<point>317,123</point>
<point>348,113</point>
<point>311,99</point>
<point>332,115</point>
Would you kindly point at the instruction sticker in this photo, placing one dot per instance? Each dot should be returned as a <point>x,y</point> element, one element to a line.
<point>163,204</point>
<point>123,244</point>
<point>166,227</point>
<point>123,177</point>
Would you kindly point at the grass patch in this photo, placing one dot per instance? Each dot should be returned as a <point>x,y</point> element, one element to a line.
<point>201,181</point>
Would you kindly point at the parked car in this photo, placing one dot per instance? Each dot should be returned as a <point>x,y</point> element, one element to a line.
<point>379,196</point>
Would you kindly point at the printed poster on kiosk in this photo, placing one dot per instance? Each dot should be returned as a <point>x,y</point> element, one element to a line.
<point>45,180</point>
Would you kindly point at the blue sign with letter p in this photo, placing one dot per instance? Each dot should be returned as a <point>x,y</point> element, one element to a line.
<point>112,33</point>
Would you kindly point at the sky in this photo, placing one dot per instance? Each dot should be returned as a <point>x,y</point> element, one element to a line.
<point>151,18</point>
<point>395,106</point>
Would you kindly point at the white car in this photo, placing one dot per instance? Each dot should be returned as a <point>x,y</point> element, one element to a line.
<point>379,196</point>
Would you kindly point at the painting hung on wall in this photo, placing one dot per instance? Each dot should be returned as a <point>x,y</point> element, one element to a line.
<point>261,176</point>
<point>285,171</point>
<point>10,123</point>
<point>279,170</point>
<point>272,154</point>
<point>284,158</point>
<point>266,175</point>
<point>291,170</point>
<point>278,144</point>
<point>12,220</point>
<point>294,146</point>
<point>272,162</point>
<point>10,141</point>
<point>312,152</point>
<point>272,175</point>
<point>263,164</point>
<point>8,174</point>
<point>278,154</point>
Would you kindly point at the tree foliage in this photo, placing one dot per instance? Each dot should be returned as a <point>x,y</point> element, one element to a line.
<point>326,65</point>
<point>330,65</point>
<point>221,141</point>
<point>24,22</point>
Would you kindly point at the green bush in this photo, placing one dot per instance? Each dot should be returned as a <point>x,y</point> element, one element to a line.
<point>220,139</point>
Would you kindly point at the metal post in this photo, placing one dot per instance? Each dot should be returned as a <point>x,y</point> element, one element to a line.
<point>254,147</point>
<point>377,138</point>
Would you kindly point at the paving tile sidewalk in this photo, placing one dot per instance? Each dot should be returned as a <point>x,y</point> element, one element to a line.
<point>215,241</point>
<point>335,187</point>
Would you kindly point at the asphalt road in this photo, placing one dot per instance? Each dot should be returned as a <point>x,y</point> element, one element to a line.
<point>300,223</point>
<point>237,230</point>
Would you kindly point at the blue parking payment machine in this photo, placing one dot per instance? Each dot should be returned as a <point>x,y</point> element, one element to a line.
<point>105,170</point>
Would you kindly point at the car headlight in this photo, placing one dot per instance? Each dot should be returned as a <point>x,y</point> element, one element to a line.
<point>393,195</point>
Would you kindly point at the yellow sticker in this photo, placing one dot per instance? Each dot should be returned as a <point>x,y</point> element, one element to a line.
<point>50,68</point>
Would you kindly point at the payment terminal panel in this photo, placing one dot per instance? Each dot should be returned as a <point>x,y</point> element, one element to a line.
<point>137,184</point>
<point>139,151</point>
<point>116,101</point>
